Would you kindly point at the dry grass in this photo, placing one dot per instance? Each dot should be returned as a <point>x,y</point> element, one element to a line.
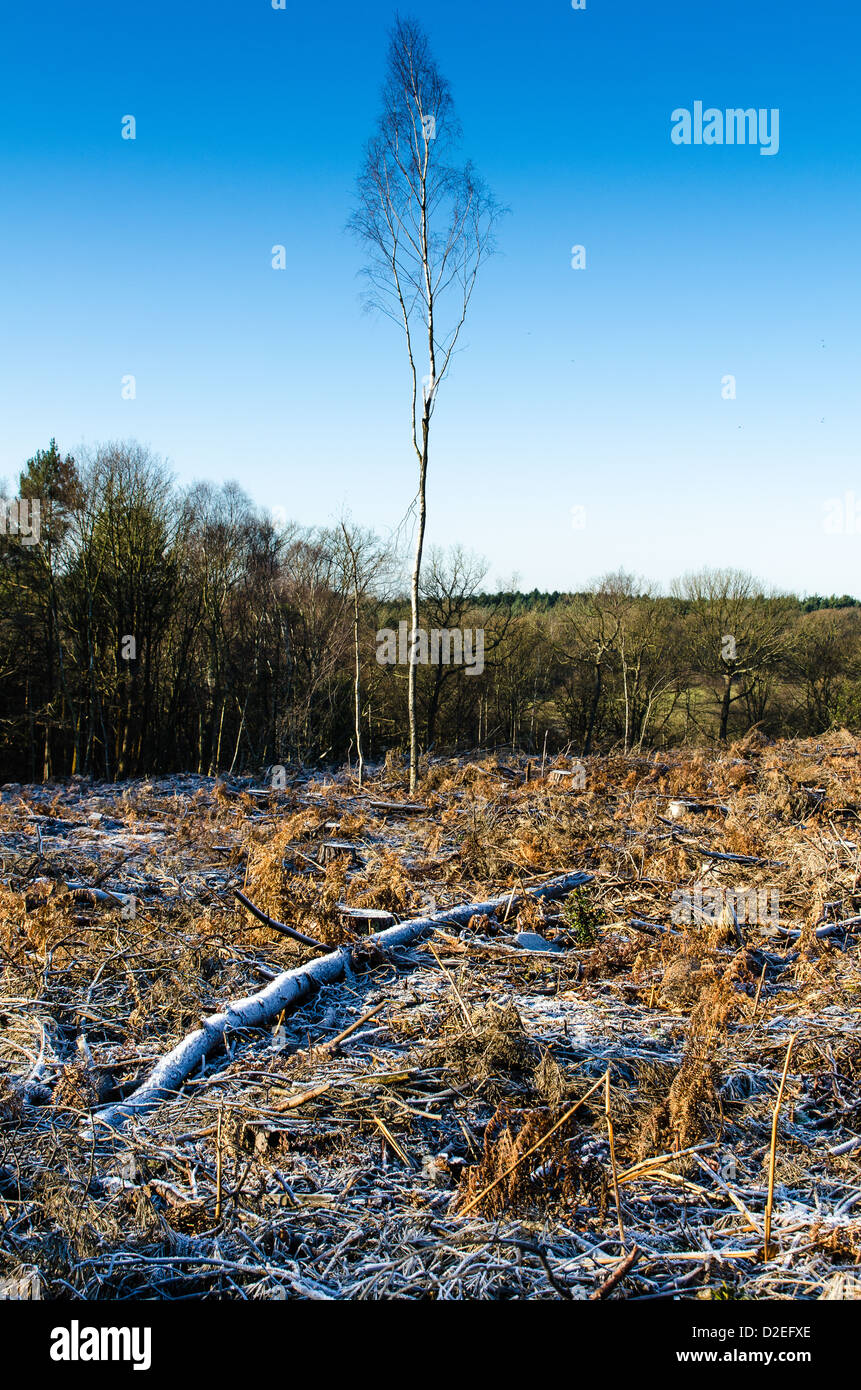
<point>287,1168</point>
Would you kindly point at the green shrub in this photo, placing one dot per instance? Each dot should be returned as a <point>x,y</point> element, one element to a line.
<point>582,917</point>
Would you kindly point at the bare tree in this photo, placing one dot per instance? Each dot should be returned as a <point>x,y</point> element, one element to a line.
<point>428,224</point>
<point>587,635</point>
<point>448,592</point>
<point>825,660</point>
<point>643,645</point>
<point>734,632</point>
<point>361,559</point>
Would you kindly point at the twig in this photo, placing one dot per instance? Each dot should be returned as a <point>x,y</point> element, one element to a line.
<point>390,1139</point>
<point>280,926</point>
<point>218,1163</point>
<point>773,1154</point>
<point>613,1159</point>
<point>618,1274</point>
<point>759,991</point>
<point>736,1201</point>
<point>456,991</point>
<point>339,1038</point>
<point>638,1170</point>
<point>293,1102</point>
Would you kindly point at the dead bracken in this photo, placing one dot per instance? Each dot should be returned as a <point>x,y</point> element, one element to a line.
<point>500,1105</point>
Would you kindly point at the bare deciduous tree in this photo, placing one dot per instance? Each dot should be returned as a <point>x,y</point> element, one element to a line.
<point>735,632</point>
<point>447,592</point>
<point>825,659</point>
<point>361,559</point>
<point>589,632</point>
<point>428,224</point>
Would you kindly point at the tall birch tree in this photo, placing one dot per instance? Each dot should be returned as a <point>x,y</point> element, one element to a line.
<point>428,224</point>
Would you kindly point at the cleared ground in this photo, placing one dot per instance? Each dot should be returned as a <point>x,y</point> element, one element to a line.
<point>436,1151</point>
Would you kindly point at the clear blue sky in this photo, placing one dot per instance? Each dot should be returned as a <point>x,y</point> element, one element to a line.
<point>598,388</point>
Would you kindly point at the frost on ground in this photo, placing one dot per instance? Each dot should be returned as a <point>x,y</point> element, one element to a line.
<point>413,1130</point>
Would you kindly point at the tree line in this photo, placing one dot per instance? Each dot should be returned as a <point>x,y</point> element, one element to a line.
<point>156,629</point>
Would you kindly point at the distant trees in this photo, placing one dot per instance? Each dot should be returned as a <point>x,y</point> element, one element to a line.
<point>735,635</point>
<point>155,629</point>
<point>448,592</point>
<point>362,561</point>
<point>616,648</point>
<point>427,224</point>
<point>589,630</point>
<point>825,661</point>
<point>645,655</point>
<point>119,590</point>
<point>30,596</point>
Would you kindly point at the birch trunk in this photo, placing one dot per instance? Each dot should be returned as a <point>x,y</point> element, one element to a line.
<point>290,989</point>
<point>414,612</point>
<point>357,683</point>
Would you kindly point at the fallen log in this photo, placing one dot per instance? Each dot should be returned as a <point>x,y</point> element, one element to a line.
<point>338,849</point>
<point>650,928</point>
<point>850,924</point>
<point>366,914</point>
<point>736,858</point>
<point>82,893</point>
<point>287,991</point>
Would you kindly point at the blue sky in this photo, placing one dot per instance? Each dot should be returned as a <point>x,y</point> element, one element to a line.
<point>596,388</point>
